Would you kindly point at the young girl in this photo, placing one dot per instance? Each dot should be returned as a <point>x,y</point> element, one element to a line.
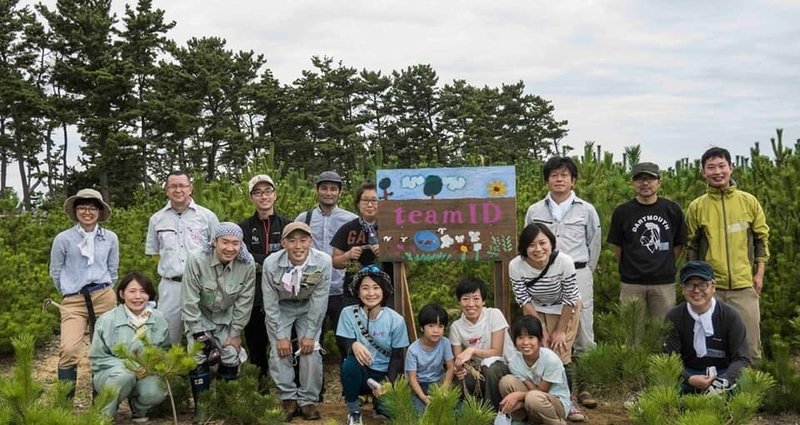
<point>374,336</point>
<point>429,360</point>
<point>537,389</point>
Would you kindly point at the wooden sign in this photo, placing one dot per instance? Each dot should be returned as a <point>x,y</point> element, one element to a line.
<point>447,214</point>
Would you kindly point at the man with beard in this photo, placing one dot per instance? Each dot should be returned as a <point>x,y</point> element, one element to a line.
<point>648,233</point>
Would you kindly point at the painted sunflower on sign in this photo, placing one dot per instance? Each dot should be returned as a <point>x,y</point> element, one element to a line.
<point>496,189</point>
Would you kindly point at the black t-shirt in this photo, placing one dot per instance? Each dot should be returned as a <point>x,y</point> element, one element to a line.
<point>353,234</point>
<point>647,235</point>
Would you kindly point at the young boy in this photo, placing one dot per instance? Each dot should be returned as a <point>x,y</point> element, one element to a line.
<point>429,360</point>
<point>537,389</point>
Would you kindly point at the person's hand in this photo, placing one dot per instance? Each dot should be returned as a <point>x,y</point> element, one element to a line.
<point>758,283</point>
<point>701,382</point>
<point>234,342</point>
<point>284,347</point>
<point>376,249</point>
<point>463,357</point>
<point>545,339</point>
<point>558,341</point>
<point>425,399</point>
<point>362,354</point>
<point>307,345</point>
<point>460,373</point>
<point>512,401</point>
<point>354,253</point>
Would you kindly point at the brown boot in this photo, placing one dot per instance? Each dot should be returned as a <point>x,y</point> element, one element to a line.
<point>290,409</point>
<point>310,412</point>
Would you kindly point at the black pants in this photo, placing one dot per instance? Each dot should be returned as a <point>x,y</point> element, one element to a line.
<point>256,340</point>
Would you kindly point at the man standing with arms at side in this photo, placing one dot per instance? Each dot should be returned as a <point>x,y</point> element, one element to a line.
<point>324,221</point>
<point>727,228</point>
<point>577,228</point>
<point>180,228</point>
<point>262,236</point>
<point>648,234</point>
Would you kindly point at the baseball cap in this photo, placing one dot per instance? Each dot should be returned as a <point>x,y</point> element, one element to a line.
<point>645,168</point>
<point>295,225</point>
<point>696,268</point>
<point>329,176</point>
<point>261,178</point>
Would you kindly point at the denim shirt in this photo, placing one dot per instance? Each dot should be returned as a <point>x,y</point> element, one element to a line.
<point>70,270</point>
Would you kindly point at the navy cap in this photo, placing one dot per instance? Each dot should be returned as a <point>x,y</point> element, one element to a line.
<point>696,268</point>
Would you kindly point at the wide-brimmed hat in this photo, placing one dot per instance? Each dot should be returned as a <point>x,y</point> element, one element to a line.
<point>69,204</point>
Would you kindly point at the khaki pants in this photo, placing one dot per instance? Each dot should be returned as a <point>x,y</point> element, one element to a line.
<point>75,319</point>
<point>550,321</point>
<point>584,340</point>
<point>539,406</point>
<point>659,299</point>
<point>745,301</point>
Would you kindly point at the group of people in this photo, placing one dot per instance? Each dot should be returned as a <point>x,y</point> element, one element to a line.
<point>261,290</point>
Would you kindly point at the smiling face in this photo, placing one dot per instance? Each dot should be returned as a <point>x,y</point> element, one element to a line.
<point>263,197</point>
<point>135,297</point>
<point>227,248</point>
<point>179,190</point>
<point>297,245</point>
<point>328,194</point>
<point>560,181</point>
<point>472,305</point>
<point>368,205</point>
<point>646,186</point>
<point>87,213</point>
<point>698,293</point>
<point>539,250</point>
<point>370,293</point>
<point>528,345</point>
<point>432,332</point>
<point>717,172</point>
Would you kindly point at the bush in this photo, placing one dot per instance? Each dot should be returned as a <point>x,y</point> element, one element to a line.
<point>445,407</point>
<point>239,402</point>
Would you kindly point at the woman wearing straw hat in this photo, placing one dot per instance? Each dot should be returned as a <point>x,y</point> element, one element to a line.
<point>83,265</point>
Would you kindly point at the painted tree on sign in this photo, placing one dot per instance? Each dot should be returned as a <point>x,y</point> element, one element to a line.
<point>432,186</point>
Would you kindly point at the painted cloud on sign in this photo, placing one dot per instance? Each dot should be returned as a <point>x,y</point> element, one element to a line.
<point>410,182</point>
<point>454,183</point>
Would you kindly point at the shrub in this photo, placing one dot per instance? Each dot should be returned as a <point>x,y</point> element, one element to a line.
<point>239,401</point>
<point>444,408</point>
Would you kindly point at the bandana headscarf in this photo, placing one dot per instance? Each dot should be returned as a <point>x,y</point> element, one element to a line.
<point>227,228</point>
<point>703,328</point>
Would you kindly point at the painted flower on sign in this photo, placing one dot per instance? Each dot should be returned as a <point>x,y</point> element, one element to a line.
<point>496,189</point>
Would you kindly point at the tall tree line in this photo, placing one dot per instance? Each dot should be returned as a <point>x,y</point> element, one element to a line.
<point>144,105</point>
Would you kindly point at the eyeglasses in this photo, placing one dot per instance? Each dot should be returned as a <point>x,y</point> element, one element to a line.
<point>85,209</point>
<point>702,286</point>
<point>260,193</point>
<point>644,178</point>
<point>369,201</point>
<point>178,186</point>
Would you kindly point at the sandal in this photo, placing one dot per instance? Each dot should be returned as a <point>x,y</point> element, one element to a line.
<point>585,398</point>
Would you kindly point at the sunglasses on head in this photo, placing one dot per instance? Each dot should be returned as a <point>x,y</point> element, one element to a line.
<point>372,268</point>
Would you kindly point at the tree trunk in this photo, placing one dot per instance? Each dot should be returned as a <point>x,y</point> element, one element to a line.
<point>64,157</point>
<point>3,158</point>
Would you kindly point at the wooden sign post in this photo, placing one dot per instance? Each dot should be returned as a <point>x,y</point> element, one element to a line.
<point>447,214</point>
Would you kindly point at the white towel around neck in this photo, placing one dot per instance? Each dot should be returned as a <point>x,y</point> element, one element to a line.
<point>703,327</point>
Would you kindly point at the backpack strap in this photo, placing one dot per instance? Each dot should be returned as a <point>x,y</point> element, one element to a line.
<point>308,216</point>
<point>531,282</point>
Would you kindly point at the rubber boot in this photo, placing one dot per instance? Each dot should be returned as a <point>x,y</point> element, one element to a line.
<point>228,373</point>
<point>70,375</point>
<point>200,379</point>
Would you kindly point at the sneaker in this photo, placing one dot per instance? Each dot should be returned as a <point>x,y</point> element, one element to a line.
<point>137,417</point>
<point>354,419</point>
<point>309,412</point>
<point>586,399</point>
<point>575,414</point>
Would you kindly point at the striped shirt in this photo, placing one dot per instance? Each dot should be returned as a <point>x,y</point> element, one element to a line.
<point>558,287</point>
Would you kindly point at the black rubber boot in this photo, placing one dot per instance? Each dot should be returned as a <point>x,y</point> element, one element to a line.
<point>200,379</point>
<point>228,373</point>
<point>69,374</point>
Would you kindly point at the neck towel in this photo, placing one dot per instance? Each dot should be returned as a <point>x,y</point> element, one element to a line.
<point>703,328</point>
<point>558,210</point>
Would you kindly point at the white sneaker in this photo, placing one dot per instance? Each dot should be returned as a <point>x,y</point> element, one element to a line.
<point>575,414</point>
<point>354,419</point>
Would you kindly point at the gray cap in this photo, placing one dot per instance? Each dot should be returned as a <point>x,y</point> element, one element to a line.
<point>329,176</point>
<point>645,168</point>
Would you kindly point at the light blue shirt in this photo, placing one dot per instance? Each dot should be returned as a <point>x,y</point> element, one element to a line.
<point>323,227</point>
<point>71,271</point>
<point>388,331</point>
<point>429,365</point>
<point>174,236</point>
<point>548,368</point>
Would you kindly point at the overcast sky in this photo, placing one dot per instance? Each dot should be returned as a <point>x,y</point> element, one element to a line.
<point>675,77</point>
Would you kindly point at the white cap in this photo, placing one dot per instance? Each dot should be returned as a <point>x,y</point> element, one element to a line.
<point>261,178</point>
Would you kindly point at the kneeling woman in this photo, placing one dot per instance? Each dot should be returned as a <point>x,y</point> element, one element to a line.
<point>374,336</point>
<point>127,324</point>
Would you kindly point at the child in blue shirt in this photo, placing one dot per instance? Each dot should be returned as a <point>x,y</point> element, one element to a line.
<point>429,359</point>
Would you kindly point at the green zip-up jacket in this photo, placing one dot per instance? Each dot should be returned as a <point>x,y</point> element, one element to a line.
<point>728,229</point>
